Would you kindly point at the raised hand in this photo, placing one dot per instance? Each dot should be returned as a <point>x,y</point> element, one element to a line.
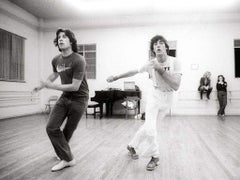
<point>146,67</point>
<point>36,89</point>
<point>154,64</point>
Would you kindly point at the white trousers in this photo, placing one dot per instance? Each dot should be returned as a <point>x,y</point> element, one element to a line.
<point>145,139</point>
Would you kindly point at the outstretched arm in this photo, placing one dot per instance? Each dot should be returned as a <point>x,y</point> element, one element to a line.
<point>123,75</point>
<point>144,68</point>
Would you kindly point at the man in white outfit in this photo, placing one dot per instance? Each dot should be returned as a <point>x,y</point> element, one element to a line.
<point>165,73</point>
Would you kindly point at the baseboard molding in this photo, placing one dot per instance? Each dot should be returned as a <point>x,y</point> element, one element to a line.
<point>19,115</point>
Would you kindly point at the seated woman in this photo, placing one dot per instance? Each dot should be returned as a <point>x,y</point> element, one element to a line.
<point>205,85</point>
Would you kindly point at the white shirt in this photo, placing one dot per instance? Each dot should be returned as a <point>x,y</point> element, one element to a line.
<point>170,65</point>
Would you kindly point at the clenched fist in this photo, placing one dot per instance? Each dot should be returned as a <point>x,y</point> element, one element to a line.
<point>111,79</point>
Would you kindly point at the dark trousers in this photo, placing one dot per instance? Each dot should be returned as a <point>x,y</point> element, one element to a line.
<point>203,90</point>
<point>73,111</point>
<point>222,98</point>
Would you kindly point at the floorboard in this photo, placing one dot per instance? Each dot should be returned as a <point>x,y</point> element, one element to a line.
<point>191,147</point>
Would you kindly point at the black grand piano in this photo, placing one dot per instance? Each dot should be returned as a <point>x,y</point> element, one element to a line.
<point>108,97</point>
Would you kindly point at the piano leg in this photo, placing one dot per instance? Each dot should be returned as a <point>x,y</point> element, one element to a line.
<point>138,107</point>
<point>101,110</point>
<point>109,109</point>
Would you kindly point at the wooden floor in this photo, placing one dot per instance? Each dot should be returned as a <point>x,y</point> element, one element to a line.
<point>191,148</point>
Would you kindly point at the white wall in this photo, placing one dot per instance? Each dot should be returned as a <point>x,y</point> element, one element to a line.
<point>206,41</point>
<point>208,45</point>
<point>17,21</point>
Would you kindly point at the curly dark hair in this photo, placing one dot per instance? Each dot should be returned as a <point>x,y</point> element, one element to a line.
<point>71,37</point>
<point>222,77</point>
<point>155,39</point>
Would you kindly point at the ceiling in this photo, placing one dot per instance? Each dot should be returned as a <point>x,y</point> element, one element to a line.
<point>68,9</point>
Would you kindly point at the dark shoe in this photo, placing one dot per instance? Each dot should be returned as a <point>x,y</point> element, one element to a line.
<point>132,152</point>
<point>154,162</point>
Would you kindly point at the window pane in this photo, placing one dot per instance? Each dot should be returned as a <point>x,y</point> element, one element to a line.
<point>90,47</point>
<point>12,56</point>
<point>90,55</point>
<point>91,61</point>
<point>237,62</point>
<point>22,61</point>
<point>90,68</point>
<point>5,53</point>
<point>14,60</point>
<point>172,52</point>
<point>172,44</point>
<point>91,75</point>
<point>80,47</point>
<point>237,43</point>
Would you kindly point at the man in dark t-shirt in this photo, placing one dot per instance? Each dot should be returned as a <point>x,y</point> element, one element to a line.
<point>70,66</point>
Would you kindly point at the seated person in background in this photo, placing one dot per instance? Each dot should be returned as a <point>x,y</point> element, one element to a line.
<point>205,85</point>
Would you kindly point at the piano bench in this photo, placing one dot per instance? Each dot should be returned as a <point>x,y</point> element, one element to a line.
<point>96,109</point>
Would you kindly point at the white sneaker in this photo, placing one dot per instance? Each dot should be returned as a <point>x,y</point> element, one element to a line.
<point>63,164</point>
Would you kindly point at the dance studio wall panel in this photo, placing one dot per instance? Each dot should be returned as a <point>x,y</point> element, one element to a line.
<point>15,97</point>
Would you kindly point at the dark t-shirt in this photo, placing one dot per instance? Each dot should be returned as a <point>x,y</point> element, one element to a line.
<point>71,67</point>
<point>221,87</point>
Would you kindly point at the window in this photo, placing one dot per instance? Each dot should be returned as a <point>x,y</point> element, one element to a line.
<point>11,57</point>
<point>172,48</point>
<point>89,53</point>
<point>237,57</point>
